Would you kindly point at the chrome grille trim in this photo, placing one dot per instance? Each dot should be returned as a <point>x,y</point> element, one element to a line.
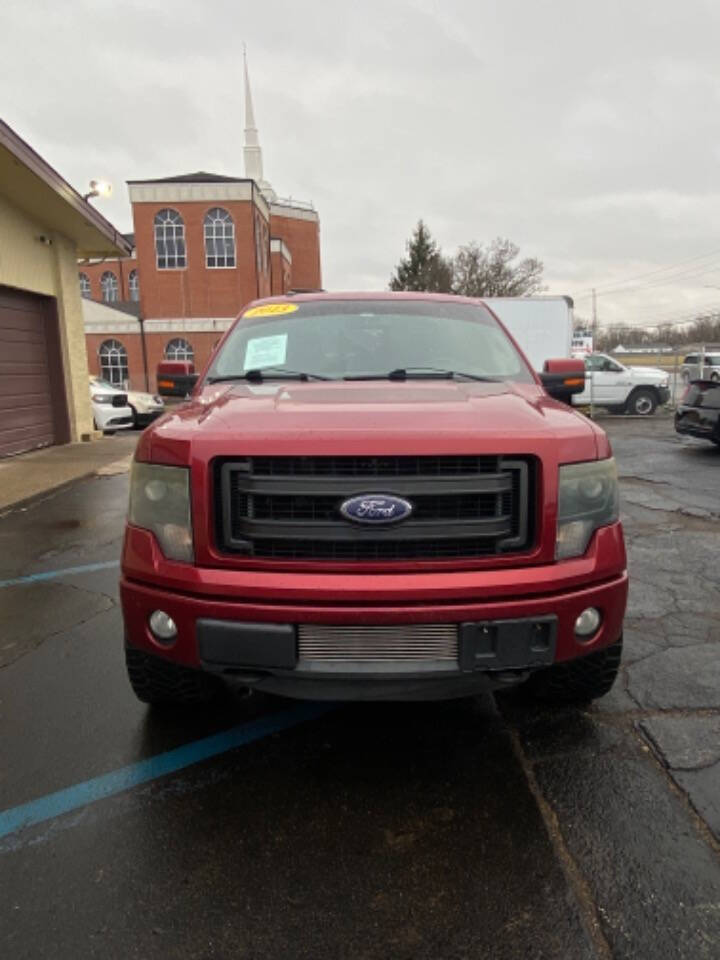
<point>407,643</point>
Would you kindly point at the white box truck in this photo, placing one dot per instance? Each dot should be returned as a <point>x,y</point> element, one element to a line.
<point>543,327</point>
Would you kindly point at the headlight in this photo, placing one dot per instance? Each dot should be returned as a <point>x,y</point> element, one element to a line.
<point>160,502</point>
<point>588,498</point>
<point>102,397</point>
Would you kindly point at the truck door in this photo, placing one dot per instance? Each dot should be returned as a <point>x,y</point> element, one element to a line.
<point>608,380</point>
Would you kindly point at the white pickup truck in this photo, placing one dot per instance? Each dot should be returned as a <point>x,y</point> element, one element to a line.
<point>543,327</point>
<point>621,389</point>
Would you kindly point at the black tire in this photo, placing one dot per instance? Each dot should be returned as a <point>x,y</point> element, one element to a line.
<point>161,682</point>
<point>642,402</point>
<point>580,680</point>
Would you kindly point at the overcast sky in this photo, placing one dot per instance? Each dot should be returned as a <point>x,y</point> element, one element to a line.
<point>588,133</point>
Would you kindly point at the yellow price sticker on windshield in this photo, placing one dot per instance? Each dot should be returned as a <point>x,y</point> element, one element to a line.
<point>271,310</point>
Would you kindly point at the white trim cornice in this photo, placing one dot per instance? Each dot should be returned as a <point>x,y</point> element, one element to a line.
<point>293,213</point>
<point>129,326</point>
<point>188,324</point>
<point>193,192</point>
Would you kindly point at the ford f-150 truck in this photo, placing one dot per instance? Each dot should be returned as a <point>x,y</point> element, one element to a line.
<point>373,496</point>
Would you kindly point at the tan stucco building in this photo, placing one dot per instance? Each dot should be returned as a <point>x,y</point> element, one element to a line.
<point>45,226</point>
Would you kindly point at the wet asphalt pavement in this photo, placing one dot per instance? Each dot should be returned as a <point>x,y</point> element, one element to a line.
<point>457,830</point>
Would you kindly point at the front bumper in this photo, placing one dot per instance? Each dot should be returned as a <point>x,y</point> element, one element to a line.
<point>112,418</point>
<point>696,422</point>
<point>145,417</point>
<point>237,600</point>
<point>664,395</point>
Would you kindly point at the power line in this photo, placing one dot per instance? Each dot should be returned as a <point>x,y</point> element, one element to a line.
<point>673,320</point>
<point>680,278</point>
<point>652,273</point>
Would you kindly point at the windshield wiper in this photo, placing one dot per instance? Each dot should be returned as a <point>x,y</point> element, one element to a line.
<point>420,373</point>
<point>258,375</point>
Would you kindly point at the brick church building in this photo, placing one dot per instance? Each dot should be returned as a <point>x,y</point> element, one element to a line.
<point>204,244</point>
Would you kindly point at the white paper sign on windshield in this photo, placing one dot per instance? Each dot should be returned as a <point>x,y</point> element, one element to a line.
<point>266,352</point>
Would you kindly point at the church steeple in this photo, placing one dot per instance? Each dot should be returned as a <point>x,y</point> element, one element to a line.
<point>252,150</point>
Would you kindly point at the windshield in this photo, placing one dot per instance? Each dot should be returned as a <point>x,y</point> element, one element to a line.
<point>351,338</point>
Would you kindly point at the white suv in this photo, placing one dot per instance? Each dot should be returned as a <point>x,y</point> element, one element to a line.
<point>690,369</point>
<point>111,410</point>
<point>609,383</point>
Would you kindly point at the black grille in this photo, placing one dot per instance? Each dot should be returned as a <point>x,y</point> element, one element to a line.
<point>288,507</point>
<point>371,466</point>
<point>119,400</point>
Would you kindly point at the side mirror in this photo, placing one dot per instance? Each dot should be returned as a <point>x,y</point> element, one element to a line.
<point>563,377</point>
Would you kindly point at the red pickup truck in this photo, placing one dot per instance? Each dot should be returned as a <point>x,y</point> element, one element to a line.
<point>373,496</point>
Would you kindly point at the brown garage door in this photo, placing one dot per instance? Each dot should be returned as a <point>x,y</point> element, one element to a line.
<point>31,410</point>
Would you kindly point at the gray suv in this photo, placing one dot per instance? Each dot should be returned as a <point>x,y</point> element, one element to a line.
<point>690,369</point>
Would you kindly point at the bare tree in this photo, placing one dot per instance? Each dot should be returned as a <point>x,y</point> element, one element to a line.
<point>494,271</point>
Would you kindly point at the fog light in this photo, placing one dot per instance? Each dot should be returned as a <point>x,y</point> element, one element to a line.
<point>587,623</point>
<point>162,626</point>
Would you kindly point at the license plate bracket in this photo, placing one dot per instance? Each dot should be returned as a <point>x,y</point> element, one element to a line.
<point>507,644</point>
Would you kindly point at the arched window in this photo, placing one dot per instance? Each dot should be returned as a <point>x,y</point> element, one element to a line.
<point>109,287</point>
<point>169,240</point>
<point>113,362</point>
<point>85,290</point>
<point>134,285</point>
<point>219,238</point>
<point>179,349</point>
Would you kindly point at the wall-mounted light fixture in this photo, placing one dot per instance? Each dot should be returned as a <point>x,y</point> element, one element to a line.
<point>99,188</point>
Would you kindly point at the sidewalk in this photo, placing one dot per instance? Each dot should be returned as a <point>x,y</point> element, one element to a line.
<point>31,474</point>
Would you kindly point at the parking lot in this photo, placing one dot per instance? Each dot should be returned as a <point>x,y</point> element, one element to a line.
<point>270,828</point>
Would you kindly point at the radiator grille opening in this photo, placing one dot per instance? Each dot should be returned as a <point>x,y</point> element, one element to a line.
<point>288,508</point>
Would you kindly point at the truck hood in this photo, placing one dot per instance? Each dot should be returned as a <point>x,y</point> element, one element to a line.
<point>371,417</point>
<point>649,374</point>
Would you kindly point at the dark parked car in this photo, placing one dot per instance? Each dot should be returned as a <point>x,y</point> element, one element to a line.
<point>698,413</point>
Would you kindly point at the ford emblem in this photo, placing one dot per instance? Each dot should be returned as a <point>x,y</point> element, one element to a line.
<point>376,508</point>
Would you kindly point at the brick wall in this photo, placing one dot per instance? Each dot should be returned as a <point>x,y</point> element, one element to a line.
<point>121,269</point>
<point>303,239</point>
<point>199,291</point>
<point>155,344</point>
<point>281,275</point>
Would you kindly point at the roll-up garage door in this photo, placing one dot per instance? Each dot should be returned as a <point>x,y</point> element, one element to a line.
<point>29,373</point>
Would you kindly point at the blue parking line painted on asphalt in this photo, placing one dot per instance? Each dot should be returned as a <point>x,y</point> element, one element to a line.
<point>81,794</point>
<point>53,574</point>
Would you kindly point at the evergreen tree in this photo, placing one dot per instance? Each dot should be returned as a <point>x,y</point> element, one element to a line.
<point>424,268</point>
